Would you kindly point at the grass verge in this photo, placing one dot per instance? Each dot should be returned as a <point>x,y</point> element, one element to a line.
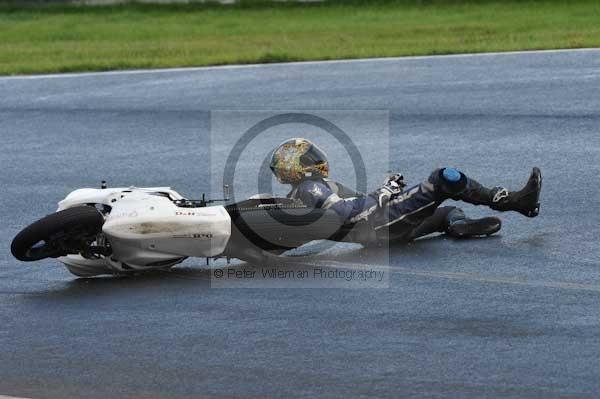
<point>65,38</point>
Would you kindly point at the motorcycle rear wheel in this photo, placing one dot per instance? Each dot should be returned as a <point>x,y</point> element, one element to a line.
<point>52,235</point>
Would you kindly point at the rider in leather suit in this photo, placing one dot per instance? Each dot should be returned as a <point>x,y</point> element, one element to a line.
<point>392,211</point>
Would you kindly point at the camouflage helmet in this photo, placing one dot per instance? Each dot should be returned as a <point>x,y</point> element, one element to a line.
<point>296,159</point>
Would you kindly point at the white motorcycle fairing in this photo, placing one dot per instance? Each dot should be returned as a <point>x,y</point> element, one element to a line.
<point>146,229</point>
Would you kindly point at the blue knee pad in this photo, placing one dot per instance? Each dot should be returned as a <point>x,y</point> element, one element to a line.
<point>451,175</point>
<point>449,181</point>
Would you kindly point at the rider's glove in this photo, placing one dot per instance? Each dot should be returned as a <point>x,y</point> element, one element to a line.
<point>393,185</point>
<point>396,178</point>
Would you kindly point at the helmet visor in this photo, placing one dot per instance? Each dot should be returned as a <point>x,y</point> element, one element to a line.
<point>313,156</point>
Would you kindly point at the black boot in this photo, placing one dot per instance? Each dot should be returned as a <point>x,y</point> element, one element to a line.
<point>474,227</point>
<point>449,183</point>
<point>452,221</point>
<point>525,201</point>
<point>459,226</point>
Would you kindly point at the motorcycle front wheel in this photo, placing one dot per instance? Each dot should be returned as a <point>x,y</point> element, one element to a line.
<point>57,234</point>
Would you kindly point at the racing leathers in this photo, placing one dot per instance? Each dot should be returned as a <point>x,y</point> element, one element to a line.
<point>414,212</point>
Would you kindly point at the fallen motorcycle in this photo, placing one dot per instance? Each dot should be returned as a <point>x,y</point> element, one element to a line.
<point>129,230</point>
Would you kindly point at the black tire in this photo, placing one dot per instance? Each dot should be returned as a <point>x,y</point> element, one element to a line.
<point>77,221</point>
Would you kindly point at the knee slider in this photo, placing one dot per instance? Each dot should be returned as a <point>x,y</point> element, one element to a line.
<point>451,180</point>
<point>451,175</point>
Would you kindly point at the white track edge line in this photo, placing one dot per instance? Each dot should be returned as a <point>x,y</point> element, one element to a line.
<point>299,63</point>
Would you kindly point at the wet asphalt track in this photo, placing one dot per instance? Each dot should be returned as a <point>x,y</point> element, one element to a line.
<point>517,315</point>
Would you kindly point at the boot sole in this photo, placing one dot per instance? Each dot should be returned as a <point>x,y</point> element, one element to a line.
<point>473,228</point>
<point>538,176</point>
